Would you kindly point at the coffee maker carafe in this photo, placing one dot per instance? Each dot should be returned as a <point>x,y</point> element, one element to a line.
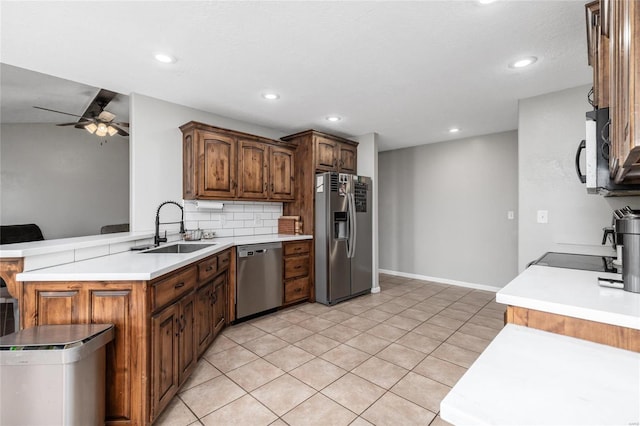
<point>627,229</point>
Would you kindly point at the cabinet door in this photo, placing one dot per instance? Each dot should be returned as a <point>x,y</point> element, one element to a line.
<point>220,303</point>
<point>252,170</point>
<point>204,317</point>
<point>217,166</point>
<point>165,333</point>
<point>281,177</point>
<point>348,162</point>
<point>326,152</point>
<point>56,306</point>
<point>187,350</point>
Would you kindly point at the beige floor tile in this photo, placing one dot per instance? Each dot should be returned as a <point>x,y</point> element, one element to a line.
<point>368,343</point>
<point>387,332</point>
<point>439,422</point>
<point>293,333</point>
<point>427,307</point>
<point>203,372</point>
<point>316,324</point>
<point>243,411</point>
<point>242,333</point>
<point>467,341</point>
<point>444,321</point>
<point>222,343</point>
<point>289,358</point>
<point>416,314</point>
<point>294,316</point>
<point>466,307</point>
<point>404,323</point>
<point>315,309</point>
<point>345,356</point>
<point>418,342</point>
<point>318,373</point>
<point>490,313</point>
<point>353,392</point>
<point>209,396</point>
<point>360,323</point>
<point>176,414</point>
<point>319,411</point>
<point>278,422</point>
<point>479,331</point>
<point>317,344</point>
<point>340,333</point>
<point>336,316</point>
<point>283,393</point>
<point>265,345</point>
<point>254,374</point>
<point>418,389</point>
<point>376,315</point>
<point>391,410</point>
<point>433,331</point>
<point>456,355</point>
<point>231,359</point>
<point>440,371</point>
<point>405,301</point>
<point>380,372</point>
<point>391,308</point>
<point>271,323</point>
<point>353,309</point>
<point>494,323</point>
<point>401,356</point>
<point>360,422</point>
<point>456,314</point>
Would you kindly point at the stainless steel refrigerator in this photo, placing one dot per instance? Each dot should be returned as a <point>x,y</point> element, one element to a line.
<point>343,240</point>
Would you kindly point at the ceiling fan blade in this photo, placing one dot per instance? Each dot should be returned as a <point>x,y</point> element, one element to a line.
<point>99,103</point>
<point>106,116</point>
<point>59,112</point>
<point>121,132</point>
<point>119,123</point>
<point>76,123</point>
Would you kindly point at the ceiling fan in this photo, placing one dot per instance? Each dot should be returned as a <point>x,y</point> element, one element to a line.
<point>95,119</point>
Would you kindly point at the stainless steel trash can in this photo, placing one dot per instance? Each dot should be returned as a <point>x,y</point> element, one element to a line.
<point>54,375</point>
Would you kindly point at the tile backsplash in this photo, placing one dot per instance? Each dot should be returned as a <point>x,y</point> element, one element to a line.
<point>236,218</point>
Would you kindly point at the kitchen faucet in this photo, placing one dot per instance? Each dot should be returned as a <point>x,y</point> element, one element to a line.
<point>157,239</point>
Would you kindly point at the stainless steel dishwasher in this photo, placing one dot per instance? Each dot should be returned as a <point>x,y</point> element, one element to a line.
<point>258,278</point>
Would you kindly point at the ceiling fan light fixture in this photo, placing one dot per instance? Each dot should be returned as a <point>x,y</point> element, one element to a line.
<point>91,128</point>
<point>111,130</point>
<point>102,130</point>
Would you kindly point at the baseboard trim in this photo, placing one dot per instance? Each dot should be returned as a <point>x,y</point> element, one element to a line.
<point>440,280</point>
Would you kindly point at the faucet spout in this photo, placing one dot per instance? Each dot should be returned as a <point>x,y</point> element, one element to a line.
<point>157,239</point>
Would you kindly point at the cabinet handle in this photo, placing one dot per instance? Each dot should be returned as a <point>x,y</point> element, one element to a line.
<point>179,285</point>
<point>178,327</point>
<point>298,267</point>
<point>265,186</point>
<point>271,187</point>
<point>209,268</point>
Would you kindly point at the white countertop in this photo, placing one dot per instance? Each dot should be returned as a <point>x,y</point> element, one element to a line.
<point>34,248</point>
<point>139,266</point>
<point>572,293</point>
<point>532,377</point>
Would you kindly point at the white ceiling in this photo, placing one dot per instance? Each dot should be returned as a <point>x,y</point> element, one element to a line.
<point>406,70</point>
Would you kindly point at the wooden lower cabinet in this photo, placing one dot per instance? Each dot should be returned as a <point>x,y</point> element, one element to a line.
<point>296,269</point>
<point>159,327</point>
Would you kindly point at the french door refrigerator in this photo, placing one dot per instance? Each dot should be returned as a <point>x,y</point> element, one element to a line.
<point>343,241</point>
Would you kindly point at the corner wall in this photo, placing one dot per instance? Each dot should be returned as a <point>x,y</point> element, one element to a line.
<point>443,210</point>
<point>550,127</point>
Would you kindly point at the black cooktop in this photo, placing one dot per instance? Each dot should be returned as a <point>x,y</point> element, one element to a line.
<point>577,261</point>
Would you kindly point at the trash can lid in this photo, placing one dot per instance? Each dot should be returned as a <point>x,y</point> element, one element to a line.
<point>53,335</point>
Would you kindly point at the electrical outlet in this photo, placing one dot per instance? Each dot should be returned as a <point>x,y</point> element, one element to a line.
<point>510,215</point>
<point>543,216</point>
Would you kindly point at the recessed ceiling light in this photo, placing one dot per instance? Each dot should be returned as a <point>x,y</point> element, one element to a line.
<point>524,62</point>
<point>334,118</point>
<point>454,130</point>
<point>486,1</point>
<point>165,58</point>
<point>271,96</point>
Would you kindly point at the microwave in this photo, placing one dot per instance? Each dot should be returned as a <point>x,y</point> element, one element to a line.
<point>596,146</point>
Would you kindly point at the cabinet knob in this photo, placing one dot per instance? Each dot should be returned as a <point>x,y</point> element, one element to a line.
<point>179,285</point>
<point>209,268</point>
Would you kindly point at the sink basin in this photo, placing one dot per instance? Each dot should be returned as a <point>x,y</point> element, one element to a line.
<point>179,248</point>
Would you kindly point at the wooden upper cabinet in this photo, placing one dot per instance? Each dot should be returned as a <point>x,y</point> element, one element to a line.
<point>252,169</point>
<point>326,151</point>
<point>598,53</point>
<point>281,173</point>
<point>225,164</point>
<point>348,162</point>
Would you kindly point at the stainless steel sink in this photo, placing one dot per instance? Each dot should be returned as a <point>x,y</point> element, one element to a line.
<point>179,248</point>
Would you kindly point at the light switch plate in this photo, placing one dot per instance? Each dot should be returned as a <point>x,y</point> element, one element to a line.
<point>543,216</point>
<point>510,215</point>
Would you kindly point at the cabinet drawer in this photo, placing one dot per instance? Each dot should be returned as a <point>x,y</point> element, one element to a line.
<point>296,290</point>
<point>207,268</point>
<point>169,289</point>
<point>224,259</point>
<point>295,267</point>
<point>296,248</point>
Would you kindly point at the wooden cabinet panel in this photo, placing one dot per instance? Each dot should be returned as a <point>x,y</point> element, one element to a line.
<point>281,174</point>
<point>252,169</point>
<point>57,307</point>
<point>218,166</point>
<point>187,354</point>
<point>189,167</point>
<point>204,317</point>
<point>297,247</point>
<point>296,289</point>
<point>296,267</point>
<point>220,316</point>
<point>165,330</point>
<point>207,268</point>
<point>326,153</point>
<point>173,287</point>
<point>297,271</point>
<point>224,259</point>
<point>348,162</point>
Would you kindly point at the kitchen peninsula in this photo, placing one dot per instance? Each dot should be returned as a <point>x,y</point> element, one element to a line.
<point>569,354</point>
<point>166,308</point>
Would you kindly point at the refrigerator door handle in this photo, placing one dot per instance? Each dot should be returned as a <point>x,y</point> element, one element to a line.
<point>352,225</point>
